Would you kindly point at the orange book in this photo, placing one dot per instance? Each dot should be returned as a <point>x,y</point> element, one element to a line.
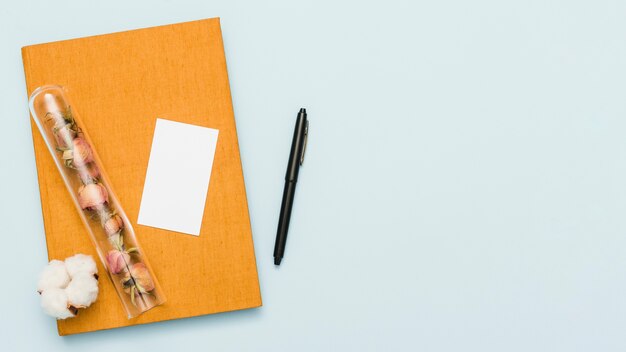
<point>120,83</point>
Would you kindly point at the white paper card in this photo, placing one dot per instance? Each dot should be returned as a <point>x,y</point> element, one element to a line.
<point>177,180</point>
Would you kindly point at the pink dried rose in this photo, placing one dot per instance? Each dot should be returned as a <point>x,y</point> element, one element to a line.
<point>81,152</point>
<point>116,261</point>
<point>92,196</point>
<point>114,225</point>
<point>141,276</point>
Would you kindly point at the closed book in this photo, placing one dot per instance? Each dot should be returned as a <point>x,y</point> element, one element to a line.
<point>120,84</point>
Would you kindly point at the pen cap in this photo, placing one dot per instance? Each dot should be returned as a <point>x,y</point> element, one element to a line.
<point>297,146</point>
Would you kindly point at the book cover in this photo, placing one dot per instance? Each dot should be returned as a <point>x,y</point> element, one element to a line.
<point>121,83</point>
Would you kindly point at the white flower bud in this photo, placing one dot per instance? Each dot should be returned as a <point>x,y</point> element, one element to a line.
<point>54,303</point>
<point>82,290</point>
<point>54,275</point>
<point>80,263</point>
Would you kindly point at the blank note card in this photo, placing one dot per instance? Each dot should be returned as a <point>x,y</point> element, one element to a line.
<point>177,180</point>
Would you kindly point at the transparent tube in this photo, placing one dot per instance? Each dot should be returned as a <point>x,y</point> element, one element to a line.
<point>107,224</point>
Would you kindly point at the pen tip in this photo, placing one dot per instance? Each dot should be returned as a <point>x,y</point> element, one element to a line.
<point>277,260</point>
<point>302,110</point>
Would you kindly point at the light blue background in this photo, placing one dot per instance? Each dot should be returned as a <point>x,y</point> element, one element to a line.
<point>464,187</point>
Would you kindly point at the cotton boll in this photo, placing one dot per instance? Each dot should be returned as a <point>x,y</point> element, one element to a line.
<point>54,275</point>
<point>67,286</point>
<point>82,290</point>
<point>54,303</point>
<point>80,263</point>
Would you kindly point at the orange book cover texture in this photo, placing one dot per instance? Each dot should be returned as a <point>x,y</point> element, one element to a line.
<point>119,84</point>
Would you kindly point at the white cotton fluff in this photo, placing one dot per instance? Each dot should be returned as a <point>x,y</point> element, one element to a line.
<point>80,263</point>
<point>82,290</point>
<point>54,303</point>
<point>54,275</point>
<point>67,286</point>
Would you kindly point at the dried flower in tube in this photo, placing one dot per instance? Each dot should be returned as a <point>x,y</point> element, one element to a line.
<point>107,225</point>
<point>141,276</point>
<point>117,260</point>
<point>81,152</point>
<point>113,225</point>
<point>92,196</point>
